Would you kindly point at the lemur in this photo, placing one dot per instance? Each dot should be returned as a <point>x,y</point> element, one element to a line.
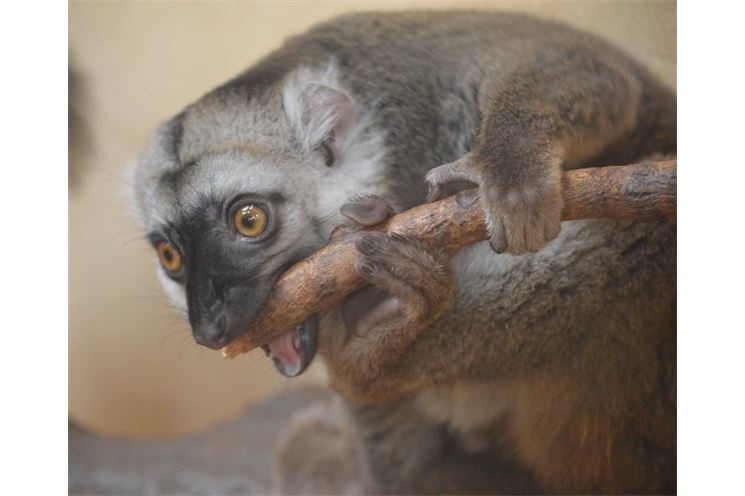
<point>543,359</point>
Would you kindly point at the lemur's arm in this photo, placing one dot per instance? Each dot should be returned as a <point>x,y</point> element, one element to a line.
<point>554,105</point>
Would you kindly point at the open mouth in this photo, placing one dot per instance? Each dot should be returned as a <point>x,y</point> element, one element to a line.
<point>364,309</point>
<point>292,352</point>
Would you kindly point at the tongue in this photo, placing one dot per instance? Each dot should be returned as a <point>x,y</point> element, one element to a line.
<point>285,354</point>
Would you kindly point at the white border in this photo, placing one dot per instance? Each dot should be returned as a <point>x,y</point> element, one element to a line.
<point>33,250</point>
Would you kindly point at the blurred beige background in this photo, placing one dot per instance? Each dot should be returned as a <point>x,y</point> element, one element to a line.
<point>133,367</point>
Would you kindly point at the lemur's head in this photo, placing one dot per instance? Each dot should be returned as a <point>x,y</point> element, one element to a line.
<point>244,183</point>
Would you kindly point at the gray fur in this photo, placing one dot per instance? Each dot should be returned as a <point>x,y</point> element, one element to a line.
<point>554,370</point>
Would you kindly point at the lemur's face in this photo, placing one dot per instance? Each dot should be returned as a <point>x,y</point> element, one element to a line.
<point>232,193</point>
<point>233,227</point>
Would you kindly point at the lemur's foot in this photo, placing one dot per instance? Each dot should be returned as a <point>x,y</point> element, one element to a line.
<point>316,454</point>
<point>520,219</point>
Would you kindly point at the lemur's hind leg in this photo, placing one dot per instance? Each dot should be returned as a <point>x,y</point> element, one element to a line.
<point>316,454</point>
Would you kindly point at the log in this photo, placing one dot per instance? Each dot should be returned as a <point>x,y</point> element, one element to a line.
<point>645,191</point>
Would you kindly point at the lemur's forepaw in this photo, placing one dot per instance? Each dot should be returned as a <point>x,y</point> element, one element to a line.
<point>519,219</point>
<point>409,286</point>
<point>415,277</point>
<point>409,282</point>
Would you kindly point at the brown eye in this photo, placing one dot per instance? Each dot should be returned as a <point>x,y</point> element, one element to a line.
<point>250,221</point>
<point>169,257</point>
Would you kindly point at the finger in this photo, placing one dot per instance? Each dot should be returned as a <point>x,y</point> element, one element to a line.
<point>404,258</point>
<point>434,192</point>
<point>410,299</point>
<point>460,170</point>
<point>498,237</point>
<point>551,230</point>
<point>515,227</point>
<point>535,233</point>
<point>367,211</point>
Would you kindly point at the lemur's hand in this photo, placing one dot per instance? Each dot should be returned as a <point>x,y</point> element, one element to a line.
<point>522,205</point>
<point>410,287</point>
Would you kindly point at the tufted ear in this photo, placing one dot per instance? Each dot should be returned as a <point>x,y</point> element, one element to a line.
<point>317,108</point>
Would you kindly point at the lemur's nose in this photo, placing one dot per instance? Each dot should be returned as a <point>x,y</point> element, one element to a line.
<point>213,334</point>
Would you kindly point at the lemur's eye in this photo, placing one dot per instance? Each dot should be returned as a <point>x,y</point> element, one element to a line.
<point>250,221</point>
<point>169,257</point>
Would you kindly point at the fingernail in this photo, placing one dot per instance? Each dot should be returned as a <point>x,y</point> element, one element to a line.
<point>467,198</point>
<point>366,245</point>
<point>368,267</point>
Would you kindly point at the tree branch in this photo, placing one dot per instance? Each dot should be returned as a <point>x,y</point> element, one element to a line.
<point>644,191</point>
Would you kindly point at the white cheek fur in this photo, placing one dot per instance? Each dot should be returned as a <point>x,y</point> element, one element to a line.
<point>174,291</point>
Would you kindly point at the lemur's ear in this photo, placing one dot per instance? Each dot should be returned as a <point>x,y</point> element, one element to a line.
<point>316,106</point>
